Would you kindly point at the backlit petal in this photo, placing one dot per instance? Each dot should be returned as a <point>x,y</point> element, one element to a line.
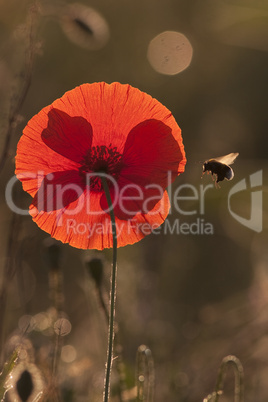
<point>114,109</point>
<point>68,136</point>
<point>34,159</point>
<point>58,190</point>
<point>152,154</point>
<point>77,226</point>
<point>130,198</point>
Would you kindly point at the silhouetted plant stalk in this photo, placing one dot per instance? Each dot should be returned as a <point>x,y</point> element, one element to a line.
<point>112,294</point>
<point>19,97</point>
<point>144,374</point>
<point>233,361</point>
<point>55,276</point>
<point>95,269</point>
<point>58,336</point>
<point>56,296</point>
<point>9,271</point>
<point>54,386</point>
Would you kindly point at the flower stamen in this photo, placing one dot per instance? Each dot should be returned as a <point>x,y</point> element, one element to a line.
<point>101,159</point>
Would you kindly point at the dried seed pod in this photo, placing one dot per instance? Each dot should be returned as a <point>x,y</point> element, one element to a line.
<point>95,269</point>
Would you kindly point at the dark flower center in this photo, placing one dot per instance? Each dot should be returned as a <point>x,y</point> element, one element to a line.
<point>100,159</point>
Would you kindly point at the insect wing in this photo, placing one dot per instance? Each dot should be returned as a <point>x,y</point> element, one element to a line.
<point>227,159</point>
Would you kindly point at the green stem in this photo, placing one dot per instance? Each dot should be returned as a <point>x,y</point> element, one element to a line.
<point>112,294</point>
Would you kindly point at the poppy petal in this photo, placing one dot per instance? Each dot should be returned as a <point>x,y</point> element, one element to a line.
<point>151,153</point>
<point>83,229</point>
<point>130,199</point>
<point>34,159</point>
<point>148,168</point>
<point>58,190</point>
<point>114,109</point>
<point>69,136</point>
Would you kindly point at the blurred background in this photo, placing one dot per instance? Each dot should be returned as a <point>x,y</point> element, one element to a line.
<point>191,298</point>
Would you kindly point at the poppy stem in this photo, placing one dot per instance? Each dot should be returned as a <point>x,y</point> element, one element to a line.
<point>112,294</point>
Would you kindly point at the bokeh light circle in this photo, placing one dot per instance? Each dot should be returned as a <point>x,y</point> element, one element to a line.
<point>62,327</point>
<point>68,353</point>
<point>170,52</point>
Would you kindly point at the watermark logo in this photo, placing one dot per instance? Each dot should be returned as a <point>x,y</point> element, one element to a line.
<point>255,220</point>
<point>187,200</point>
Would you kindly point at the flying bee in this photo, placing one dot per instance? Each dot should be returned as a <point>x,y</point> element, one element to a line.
<point>220,167</point>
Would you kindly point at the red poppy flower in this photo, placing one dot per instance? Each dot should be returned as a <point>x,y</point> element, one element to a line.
<point>100,129</point>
